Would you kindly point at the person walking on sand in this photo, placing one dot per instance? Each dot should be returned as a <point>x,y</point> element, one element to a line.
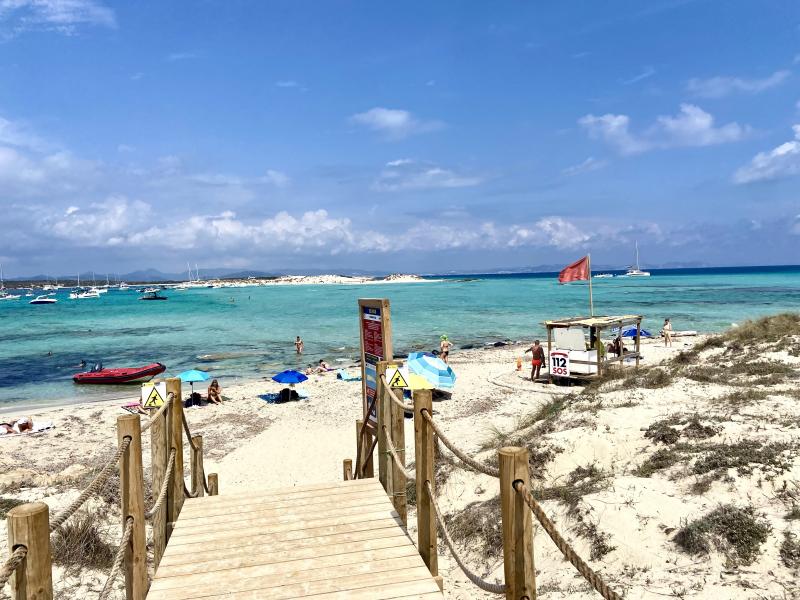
<point>444,348</point>
<point>299,345</point>
<point>537,359</point>
<point>666,331</point>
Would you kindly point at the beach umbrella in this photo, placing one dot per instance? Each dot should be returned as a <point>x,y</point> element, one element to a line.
<point>289,376</point>
<point>432,369</point>
<point>193,375</point>
<point>630,332</point>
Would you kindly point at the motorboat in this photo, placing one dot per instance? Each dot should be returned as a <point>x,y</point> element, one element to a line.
<point>4,295</point>
<point>603,276</point>
<point>45,299</point>
<point>80,295</point>
<point>635,271</point>
<point>152,294</point>
<point>123,287</point>
<point>99,375</point>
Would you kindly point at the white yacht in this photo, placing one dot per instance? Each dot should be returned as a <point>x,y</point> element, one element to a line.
<point>43,300</point>
<point>635,271</point>
<point>603,276</point>
<point>4,295</point>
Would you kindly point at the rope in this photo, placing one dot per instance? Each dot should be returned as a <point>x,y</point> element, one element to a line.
<point>189,494</point>
<point>397,401</point>
<point>123,545</point>
<point>195,448</point>
<point>12,564</point>
<point>494,588</point>
<point>470,462</point>
<point>164,487</point>
<point>359,467</point>
<point>93,488</point>
<point>593,578</point>
<point>162,409</point>
<point>409,473</point>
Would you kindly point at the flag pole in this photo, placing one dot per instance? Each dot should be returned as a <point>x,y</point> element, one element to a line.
<point>591,302</point>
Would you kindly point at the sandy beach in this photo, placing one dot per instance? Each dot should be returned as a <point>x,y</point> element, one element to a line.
<point>620,517</point>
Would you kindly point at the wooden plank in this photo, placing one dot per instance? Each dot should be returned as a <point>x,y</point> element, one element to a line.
<point>239,507</point>
<point>187,538</point>
<point>358,576</point>
<point>271,518</point>
<point>269,555</point>
<point>293,570</point>
<point>288,492</point>
<point>194,552</point>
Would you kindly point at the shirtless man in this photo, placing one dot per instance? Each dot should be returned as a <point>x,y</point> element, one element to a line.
<point>444,348</point>
<point>666,331</point>
<point>537,359</point>
<point>298,345</point>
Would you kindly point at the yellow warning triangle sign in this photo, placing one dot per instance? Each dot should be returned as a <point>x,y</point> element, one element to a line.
<point>154,399</point>
<point>397,380</point>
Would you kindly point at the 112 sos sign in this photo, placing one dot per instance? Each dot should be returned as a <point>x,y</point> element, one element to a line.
<point>559,363</point>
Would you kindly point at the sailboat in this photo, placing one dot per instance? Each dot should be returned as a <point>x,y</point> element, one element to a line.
<point>81,293</point>
<point>635,271</point>
<point>4,295</point>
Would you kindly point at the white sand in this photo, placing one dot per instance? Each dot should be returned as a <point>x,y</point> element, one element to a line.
<point>253,444</point>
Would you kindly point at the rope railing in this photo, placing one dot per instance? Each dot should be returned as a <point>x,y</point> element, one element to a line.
<point>493,588</point>
<point>164,486</point>
<point>409,473</point>
<point>569,553</point>
<point>97,483</point>
<point>120,556</point>
<point>12,564</point>
<point>467,460</point>
<point>195,448</point>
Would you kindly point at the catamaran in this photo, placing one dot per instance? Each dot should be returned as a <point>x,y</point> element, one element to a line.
<point>635,271</point>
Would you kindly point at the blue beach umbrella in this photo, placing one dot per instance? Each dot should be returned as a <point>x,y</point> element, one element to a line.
<point>193,375</point>
<point>289,376</point>
<point>433,369</point>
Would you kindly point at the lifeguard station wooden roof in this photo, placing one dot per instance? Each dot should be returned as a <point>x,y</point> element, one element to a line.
<point>601,321</point>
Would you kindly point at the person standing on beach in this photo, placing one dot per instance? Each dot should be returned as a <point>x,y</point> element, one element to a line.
<point>298,345</point>
<point>537,359</point>
<point>444,348</point>
<point>666,331</point>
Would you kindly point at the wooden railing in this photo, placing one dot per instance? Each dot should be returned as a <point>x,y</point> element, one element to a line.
<point>29,526</point>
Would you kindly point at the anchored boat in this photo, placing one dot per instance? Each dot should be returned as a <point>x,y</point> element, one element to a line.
<point>122,375</point>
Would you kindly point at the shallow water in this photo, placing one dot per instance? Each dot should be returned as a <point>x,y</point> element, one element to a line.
<point>249,332</point>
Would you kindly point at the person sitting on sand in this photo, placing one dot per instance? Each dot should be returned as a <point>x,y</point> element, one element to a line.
<point>299,345</point>
<point>617,347</point>
<point>666,331</point>
<point>444,348</point>
<point>21,425</point>
<point>537,359</point>
<point>215,392</point>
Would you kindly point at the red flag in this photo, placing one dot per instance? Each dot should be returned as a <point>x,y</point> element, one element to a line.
<point>577,271</point>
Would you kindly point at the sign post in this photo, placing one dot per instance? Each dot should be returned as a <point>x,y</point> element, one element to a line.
<point>376,345</point>
<point>154,394</point>
<point>559,363</point>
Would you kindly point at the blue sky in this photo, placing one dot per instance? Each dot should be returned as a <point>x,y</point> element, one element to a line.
<point>411,136</point>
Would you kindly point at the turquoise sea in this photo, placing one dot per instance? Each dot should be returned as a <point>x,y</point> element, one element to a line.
<point>249,332</point>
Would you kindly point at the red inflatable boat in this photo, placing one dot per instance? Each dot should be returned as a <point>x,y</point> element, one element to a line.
<point>125,375</point>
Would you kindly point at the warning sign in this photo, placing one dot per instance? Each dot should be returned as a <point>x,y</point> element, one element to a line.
<point>396,378</point>
<point>154,394</point>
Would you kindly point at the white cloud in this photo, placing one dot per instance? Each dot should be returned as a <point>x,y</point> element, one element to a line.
<point>549,231</point>
<point>62,16</point>
<point>645,74</point>
<point>178,56</point>
<point>718,87</point>
<point>590,164</point>
<point>407,174</point>
<point>394,123</point>
<point>18,135</point>
<point>692,126</point>
<point>277,178</point>
<point>782,161</point>
<point>121,148</point>
<point>287,83</point>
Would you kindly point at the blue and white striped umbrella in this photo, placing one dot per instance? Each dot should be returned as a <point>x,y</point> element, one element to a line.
<point>433,369</point>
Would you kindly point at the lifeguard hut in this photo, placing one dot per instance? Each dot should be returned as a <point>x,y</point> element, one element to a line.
<point>575,348</point>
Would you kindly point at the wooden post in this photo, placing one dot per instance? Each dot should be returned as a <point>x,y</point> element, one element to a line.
<point>397,426</point>
<point>359,449</point>
<point>517,526</point>
<point>638,341</point>
<point>132,487</point>
<point>549,349</point>
<point>197,466</point>
<point>213,484</point>
<point>175,496</point>
<point>426,519</point>
<point>382,410</point>
<point>347,469</point>
<point>159,456</point>
<point>29,526</point>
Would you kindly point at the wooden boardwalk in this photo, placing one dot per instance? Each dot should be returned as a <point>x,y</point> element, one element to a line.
<point>326,541</point>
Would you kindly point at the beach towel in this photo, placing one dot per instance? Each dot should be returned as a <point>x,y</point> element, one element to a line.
<point>345,376</point>
<point>38,427</point>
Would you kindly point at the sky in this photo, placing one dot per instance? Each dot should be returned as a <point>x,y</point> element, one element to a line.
<point>413,136</point>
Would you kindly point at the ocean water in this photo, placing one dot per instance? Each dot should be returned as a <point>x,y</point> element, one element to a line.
<point>248,333</point>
